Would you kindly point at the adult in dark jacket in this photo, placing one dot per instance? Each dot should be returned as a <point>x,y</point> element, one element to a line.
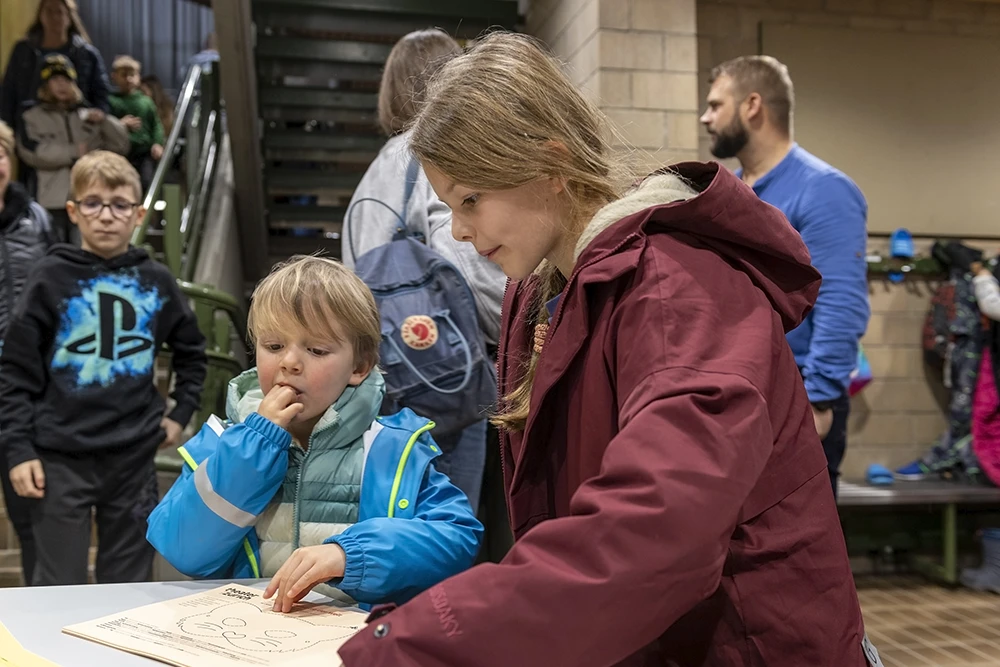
<point>666,485</point>
<point>57,29</point>
<point>25,236</point>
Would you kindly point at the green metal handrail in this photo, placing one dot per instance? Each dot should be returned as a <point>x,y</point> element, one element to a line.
<point>212,301</point>
<point>220,316</point>
<point>184,103</point>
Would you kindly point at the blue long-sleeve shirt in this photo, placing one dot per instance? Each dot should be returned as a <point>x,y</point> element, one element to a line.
<point>830,213</point>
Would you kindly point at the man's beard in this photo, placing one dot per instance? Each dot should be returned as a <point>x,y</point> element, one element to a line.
<point>730,140</point>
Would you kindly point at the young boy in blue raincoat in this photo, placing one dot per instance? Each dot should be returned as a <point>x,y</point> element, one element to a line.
<point>304,484</point>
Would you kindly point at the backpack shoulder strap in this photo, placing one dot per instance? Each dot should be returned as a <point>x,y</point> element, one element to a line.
<point>412,171</point>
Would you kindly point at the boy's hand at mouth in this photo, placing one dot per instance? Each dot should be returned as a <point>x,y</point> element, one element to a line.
<point>281,405</point>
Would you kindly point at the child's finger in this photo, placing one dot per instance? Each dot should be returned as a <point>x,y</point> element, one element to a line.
<point>292,410</point>
<point>305,583</point>
<point>272,586</point>
<point>293,580</point>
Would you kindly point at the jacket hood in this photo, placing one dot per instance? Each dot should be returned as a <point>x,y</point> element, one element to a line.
<point>708,205</point>
<point>343,422</point>
<point>72,254</point>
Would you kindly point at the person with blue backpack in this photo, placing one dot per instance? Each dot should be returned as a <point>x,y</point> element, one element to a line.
<point>437,291</point>
<point>304,484</point>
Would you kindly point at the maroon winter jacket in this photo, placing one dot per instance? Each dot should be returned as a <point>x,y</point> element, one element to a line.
<point>669,495</point>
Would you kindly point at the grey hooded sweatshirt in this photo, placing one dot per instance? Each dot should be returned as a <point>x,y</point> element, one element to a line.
<point>372,225</point>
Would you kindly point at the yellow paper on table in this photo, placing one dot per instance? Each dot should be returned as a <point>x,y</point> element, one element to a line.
<point>12,654</point>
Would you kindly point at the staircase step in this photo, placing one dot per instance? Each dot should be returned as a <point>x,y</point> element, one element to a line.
<point>313,74</point>
<point>10,577</point>
<point>304,114</point>
<point>283,247</point>
<point>501,12</point>
<point>272,17</point>
<point>285,180</point>
<point>316,97</point>
<point>289,48</point>
<point>360,159</point>
<point>300,216</point>
<point>322,140</point>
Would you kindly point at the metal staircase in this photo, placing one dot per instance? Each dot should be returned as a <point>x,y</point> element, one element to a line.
<point>301,106</point>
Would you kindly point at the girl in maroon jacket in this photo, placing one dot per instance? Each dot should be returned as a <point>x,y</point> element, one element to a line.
<point>665,483</point>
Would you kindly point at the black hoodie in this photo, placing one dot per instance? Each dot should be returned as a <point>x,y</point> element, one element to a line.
<point>77,369</point>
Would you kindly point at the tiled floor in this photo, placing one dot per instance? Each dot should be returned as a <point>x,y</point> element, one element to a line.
<point>917,624</point>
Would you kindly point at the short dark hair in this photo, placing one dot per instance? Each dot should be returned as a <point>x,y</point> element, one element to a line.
<point>767,77</point>
<point>412,62</point>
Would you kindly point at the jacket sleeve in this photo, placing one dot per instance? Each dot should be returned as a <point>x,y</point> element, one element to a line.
<point>24,372</point>
<point>200,523</point>
<point>393,559</point>
<point>485,278</point>
<point>9,98</point>
<point>156,127</point>
<point>987,296</point>
<point>100,86</point>
<point>643,543</point>
<point>833,227</point>
<point>39,153</point>
<point>189,361</point>
<point>114,136</point>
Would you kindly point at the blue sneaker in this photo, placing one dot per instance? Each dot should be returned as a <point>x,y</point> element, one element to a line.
<point>913,472</point>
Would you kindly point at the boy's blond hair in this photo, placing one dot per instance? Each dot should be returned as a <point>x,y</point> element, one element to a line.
<point>321,296</point>
<point>105,168</point>
<point>126,63</point>
<point>7,139</point>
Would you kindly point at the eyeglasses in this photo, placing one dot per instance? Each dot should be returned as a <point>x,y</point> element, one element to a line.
<point>93,207</point>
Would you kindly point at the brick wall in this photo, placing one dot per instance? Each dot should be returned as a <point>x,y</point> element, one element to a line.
<point>730,28</point>
<point>901,413</point>
<point>638,60</point>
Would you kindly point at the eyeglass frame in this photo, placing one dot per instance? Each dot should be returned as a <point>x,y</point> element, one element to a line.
<point>106,205</point>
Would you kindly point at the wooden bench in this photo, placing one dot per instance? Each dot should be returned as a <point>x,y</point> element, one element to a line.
<point>947,495</point>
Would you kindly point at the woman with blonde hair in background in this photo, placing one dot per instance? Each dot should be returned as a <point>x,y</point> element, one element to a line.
<point>666,486</point>
<point>57,30</point>
<point>413,60</point>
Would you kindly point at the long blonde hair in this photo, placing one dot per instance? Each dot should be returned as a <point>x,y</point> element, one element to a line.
<point>75,23</point>
<point>502,115</point>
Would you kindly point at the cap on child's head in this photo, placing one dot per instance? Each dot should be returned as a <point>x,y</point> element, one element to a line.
<point>321,296</point>
<point>106,169</point>
<point>58,65</point>
<point>126,63</point>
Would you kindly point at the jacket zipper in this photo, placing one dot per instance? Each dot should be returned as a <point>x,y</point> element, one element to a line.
<point>298,493</point>
<point>69,129</point>
<point>502,431</point>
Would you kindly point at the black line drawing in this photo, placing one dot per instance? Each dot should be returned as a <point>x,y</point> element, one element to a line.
<point>242,626</point>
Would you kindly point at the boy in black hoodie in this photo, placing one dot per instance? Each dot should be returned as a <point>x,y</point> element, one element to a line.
<point>80,417</point>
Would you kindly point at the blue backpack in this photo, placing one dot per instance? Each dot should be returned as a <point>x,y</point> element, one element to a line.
<point>433,352</point>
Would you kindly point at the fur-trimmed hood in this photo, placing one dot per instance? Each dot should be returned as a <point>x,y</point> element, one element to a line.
<point>707,205</point>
